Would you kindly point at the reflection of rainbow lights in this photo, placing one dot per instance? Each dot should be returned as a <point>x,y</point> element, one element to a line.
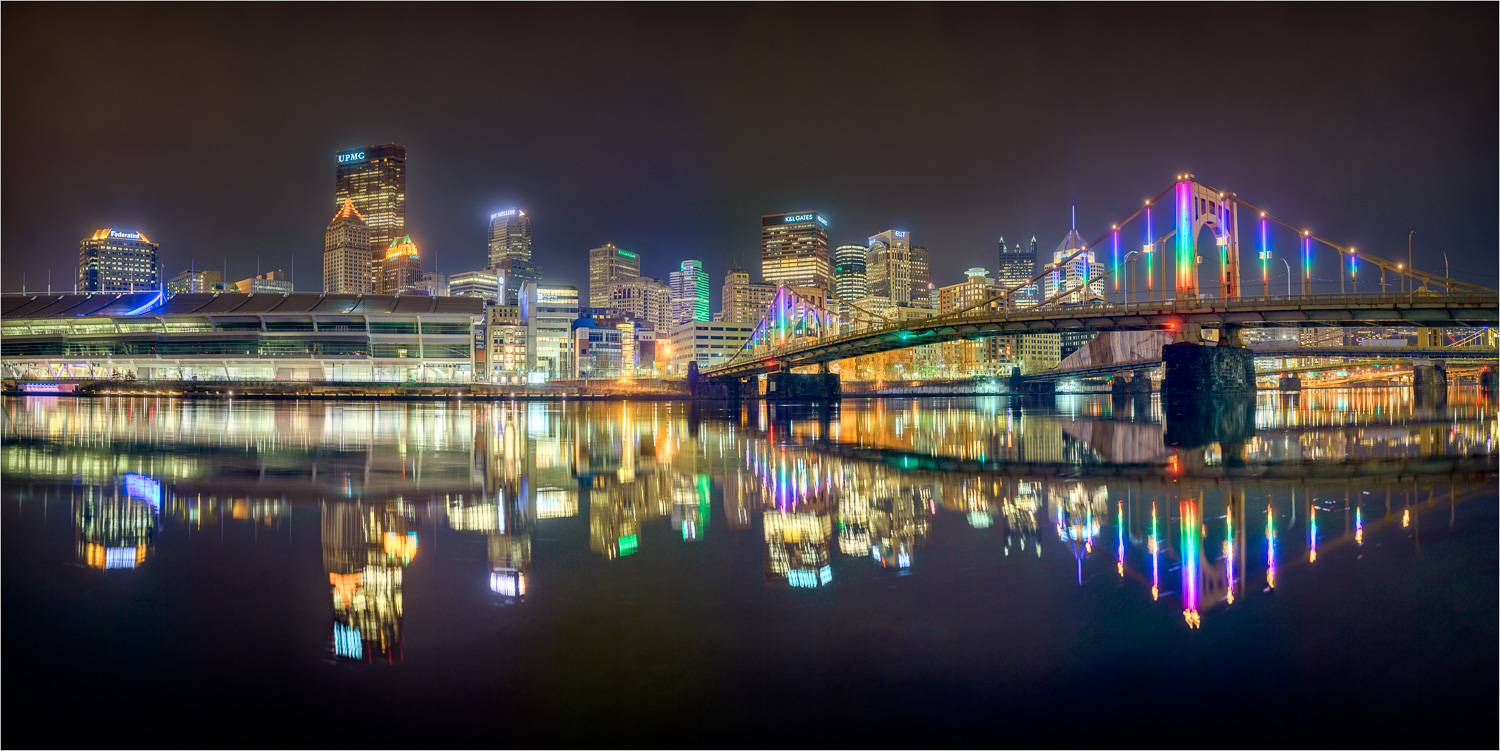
<point>1312,533</point>
<point>1191,531</point>
<point>1120,538</point>
<point>1184,236</point>
<point>1155,558</point>
<point>1359,527</point>
<point>1229,553</point>
<point>1270,548</point>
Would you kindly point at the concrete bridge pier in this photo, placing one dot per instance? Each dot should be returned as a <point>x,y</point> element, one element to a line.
<point>787,386</point>
<point>735,389</point>
<point>1196,371</point>
<point>1489,380</point>
<point>1429,375</point>
<point>1289,383</point>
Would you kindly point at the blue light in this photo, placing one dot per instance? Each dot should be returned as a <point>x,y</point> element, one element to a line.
<point>144,488</point>
<point>147,306</point>
<point>347,642</point>
<point>825,574</point>
<point>800,578</point>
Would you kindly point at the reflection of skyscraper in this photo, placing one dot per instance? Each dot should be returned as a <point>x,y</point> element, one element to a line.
<point>115,531</point>
<point>365,549</point>
<point>798,545</point>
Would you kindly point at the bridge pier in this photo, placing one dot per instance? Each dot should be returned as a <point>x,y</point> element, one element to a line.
<point>1429,375</point>
<point>1489,379</point>
<point>735,389</point>
<point>786,386</point>
<point>1289,383</point>
<point>1199,371</point>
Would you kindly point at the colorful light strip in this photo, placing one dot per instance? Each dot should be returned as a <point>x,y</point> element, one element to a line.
<point>1155,557</point>
<point>1184,237</point>
<point>1359,527</point>
<point>1150,244</point>
<point>1265,257</point>
<point>1120,538</point>
<point>1117,260</point>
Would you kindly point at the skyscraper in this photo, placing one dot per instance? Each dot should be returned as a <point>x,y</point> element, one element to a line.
<point>644,300</point>
<point>346,252</point>
<point>794,249</point>
<point>1016,267</point>
<point>374,178</point>
<point>608,264</point>
<point>402,266</point>
<point>484,284</point>
<point>1070,276</point>
<point>849,278</point>
<point>690,293</point>
<point>515,272</point>
<point>897,270</point>
<point>744,301</point>
<point>195,281</point>
<point>510,236</point>
<point>114,260</point>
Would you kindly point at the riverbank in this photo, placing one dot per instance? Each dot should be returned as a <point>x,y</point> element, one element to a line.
<point>647,390</point>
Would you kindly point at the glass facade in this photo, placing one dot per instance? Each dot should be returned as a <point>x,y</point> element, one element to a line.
<point>794,249</point>
<point>113,260</point>
<point>374,179</point>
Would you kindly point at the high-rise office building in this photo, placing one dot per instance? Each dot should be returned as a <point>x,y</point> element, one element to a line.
<point>510,236</point>
<point>515,272</point>
<point>794,249</point>
<point>195,281</point>
<point>484,283</point>
<point>548,312</point>
<point>645,300</point>
<point>897,270</point>
<point>1069,276</point>
<point>849,277</point>
<point>374,178</point>
<point>113,260</point>
<point>402,266</point>
<point>744,301</point>
<point>434,284</point>
<point>1017,266</point>
<point>690,293</point>
<point>608,264</point>
<point>346,252</point>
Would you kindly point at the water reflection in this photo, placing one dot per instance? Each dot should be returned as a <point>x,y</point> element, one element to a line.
<point>865,488</point>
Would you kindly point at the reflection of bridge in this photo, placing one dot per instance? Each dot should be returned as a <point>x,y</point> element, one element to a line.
<point>1365,355</point>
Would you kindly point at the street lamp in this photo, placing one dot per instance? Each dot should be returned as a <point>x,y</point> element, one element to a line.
<point>1288,276</point>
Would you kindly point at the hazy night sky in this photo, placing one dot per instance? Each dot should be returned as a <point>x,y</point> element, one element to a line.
<point>669,130</point>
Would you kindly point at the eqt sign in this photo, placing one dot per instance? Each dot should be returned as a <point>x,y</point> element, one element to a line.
<point>351,156</point>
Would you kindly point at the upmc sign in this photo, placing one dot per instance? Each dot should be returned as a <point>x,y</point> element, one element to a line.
<point>351,156</point>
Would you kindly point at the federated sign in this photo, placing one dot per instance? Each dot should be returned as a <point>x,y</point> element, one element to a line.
<point>114,233</point>
<point>349,157</point>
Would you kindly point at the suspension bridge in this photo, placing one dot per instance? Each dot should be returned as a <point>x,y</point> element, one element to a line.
<point>1164,283</point>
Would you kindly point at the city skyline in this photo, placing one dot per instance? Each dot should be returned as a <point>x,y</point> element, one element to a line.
<point>702,165</point>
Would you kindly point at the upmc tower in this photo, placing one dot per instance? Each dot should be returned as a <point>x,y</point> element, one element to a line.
<point>794,249</point>
<point>374,178</point>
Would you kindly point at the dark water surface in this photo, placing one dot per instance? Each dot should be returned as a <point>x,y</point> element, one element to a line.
<point>1313,570</point>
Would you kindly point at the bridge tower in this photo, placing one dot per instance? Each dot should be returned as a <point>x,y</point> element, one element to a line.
<point>1197,206</point>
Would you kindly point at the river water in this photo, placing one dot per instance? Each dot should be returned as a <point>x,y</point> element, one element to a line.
<point>1312,569</point>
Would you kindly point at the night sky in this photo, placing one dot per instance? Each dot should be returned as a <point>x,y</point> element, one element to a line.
<point>670,130</point>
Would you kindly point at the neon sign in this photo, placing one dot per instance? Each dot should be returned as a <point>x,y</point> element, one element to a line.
<point>507,212</point>
<point>900,233</point>
<point>351,156</point>
<point>795,218</point>
<point>627,254</point>
<point>125,235</point>
<point>144,488</point>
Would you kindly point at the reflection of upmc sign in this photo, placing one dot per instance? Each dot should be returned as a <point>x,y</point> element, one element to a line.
<point>351,156</point>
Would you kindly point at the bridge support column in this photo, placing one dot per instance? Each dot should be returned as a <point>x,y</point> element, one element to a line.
<point>1489,379</point>
<point>1140,383</point>
<point>1200,372</point>
<point>1289,383</point>
<point>700,387</point>
<point>1431,375</point>
<point>786,386</point>
<point>1230,335</point>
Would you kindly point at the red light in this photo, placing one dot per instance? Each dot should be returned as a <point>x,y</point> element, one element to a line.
<point>1171,327</point>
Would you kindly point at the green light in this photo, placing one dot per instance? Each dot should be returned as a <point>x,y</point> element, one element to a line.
<point>627,253</point>
<point>627,545</point>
